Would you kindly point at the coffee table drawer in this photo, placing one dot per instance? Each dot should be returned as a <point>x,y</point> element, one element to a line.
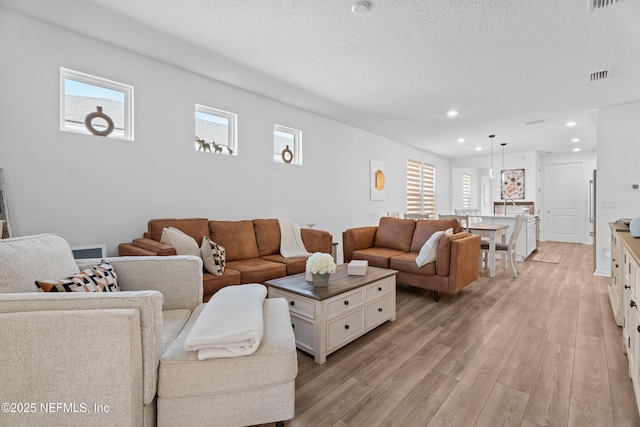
<point>296,304</point>
<point>303,330</point>
<point>344,303</point>
<point>378,311</point>
<point>379,288</point>
<point>342,330</point>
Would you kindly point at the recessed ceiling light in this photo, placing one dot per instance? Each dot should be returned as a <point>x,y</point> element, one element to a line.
<point>361,7</point>
<point>460,139</point>
<point>478,148</point>
<point>452,113</point>
<point>576,149</point>
<point>571,124</point>
<point>575,140</point>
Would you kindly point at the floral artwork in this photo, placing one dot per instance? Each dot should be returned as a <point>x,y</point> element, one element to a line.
<point>512,184</point>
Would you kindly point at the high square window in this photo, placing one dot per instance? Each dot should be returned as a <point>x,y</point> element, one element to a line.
<point>287,145</point>
<point>94,105</point>
<point>216,131</point>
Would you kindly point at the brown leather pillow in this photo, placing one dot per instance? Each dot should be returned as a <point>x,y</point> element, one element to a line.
<point>237,237</point>
<point>267,236</point>
<point>395,233</point>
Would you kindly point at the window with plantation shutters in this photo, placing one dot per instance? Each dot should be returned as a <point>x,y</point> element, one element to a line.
<point>466,191</point>
<point>421,188</point>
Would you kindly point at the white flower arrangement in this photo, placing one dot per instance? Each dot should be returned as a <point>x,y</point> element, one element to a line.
<point>321,263</point>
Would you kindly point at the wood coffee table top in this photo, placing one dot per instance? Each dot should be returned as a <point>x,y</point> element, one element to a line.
<point>339,282</point>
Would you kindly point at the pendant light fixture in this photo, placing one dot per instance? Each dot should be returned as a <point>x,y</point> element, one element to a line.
<point>491,168</point>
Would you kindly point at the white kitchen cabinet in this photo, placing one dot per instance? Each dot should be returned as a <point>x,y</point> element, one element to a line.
<point>624,293</point>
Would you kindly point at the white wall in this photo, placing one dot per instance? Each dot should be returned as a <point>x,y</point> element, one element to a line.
<point>99,190</point>
<point>618,153</point>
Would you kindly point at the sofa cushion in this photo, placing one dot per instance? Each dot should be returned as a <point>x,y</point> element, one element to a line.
<point>194,227</point>
<point>256,270</point>
<point>182,375</point>
<point>267,236</point>
<point>213,256</point>
<point>99,278</point>
<point>20,271</point>
<point>407,263</point>
<point>377,257</point>
<point>294,265</point>
<point>212,284</point>
<point>425,228</point>
<point>237,237</point>
<point>395,233</point>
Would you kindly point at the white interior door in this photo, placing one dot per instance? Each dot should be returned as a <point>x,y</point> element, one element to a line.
<point>565,202</point>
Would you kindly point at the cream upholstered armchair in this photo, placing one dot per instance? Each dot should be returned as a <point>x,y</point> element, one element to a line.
<point>117,358</point>
<point>78,358</point>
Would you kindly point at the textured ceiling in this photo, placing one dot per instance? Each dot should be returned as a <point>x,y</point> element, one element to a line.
<point>396,70</point>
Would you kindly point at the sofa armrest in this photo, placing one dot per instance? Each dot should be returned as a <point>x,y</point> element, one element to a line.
<point>81,335</point>
<point>82,356</point>
<point>464,261</point>
<point>316,240</point>
<point>147,247</point>
<point>357,238</point>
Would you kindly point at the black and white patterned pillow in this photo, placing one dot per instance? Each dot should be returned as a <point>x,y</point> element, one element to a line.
<point>214,256</point>
<point>99,278</point>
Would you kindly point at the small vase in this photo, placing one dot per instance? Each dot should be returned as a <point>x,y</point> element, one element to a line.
<point>321,280</point>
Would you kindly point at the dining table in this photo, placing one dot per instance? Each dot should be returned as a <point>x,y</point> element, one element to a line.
<point>493,232</point>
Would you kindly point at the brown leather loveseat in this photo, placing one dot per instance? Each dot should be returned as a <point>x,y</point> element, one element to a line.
<point>395,244</point>
<point>252,248</point>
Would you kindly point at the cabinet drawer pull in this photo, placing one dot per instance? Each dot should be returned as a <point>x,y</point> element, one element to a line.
<point>627,287</point>
<point>380,309</point>
<point>293,326</point>
<point>638,329</point>
<point>346,302</point>
<point>346,326</point>
<point>292,303</point>
<point>632,304</point>
<point>379,289</point>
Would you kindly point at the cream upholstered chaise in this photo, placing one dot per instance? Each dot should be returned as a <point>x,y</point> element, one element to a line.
<point>95,358</point>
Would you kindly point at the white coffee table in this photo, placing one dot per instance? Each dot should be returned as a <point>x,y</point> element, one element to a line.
<point>326,319</point>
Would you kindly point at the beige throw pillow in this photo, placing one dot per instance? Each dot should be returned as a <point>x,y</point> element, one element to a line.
<point>213,256</point>
<point>429,250</point>
<point>184,244</point>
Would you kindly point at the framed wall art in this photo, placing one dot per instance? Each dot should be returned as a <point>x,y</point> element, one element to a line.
<point>512,184</point>
<point>377,179</point>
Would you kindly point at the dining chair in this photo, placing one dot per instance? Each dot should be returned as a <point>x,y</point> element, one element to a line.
<point>474,214</point>
<point>507,249</point>
<point>416,216</point>
<point>462,219</point>
<point>393,214</point>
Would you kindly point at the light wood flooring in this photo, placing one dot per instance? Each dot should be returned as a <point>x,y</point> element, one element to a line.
<point>539,350</point>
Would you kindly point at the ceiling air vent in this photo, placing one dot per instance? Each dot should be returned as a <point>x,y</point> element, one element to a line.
<point>599,75</point>
<point>599,4</point>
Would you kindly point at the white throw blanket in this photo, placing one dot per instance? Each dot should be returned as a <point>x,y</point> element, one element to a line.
<point>291,245</point>
<point>231,324</point>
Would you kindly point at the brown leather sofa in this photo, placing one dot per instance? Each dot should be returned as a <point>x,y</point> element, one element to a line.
<point>395,244</point>
<point>252,248</point>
